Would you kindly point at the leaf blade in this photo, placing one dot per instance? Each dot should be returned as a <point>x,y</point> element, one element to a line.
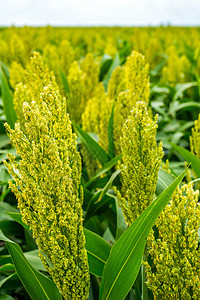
<point>98,251</point>
<point>119,275</point>
<point>92,146</point>
<point>189,157</point>
<point>7,100</point>
<point>37,285</point>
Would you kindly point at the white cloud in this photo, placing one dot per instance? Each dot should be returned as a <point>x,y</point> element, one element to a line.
<point>99,12</point>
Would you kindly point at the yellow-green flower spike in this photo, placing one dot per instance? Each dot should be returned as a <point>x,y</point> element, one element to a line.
<point>137,78</point>
<point>174,249</point>
<point>17,49</point>
<point>35,77</point>
<point>195,138</point>
<point>66,55</point>
<point>83,80</point>
<point>136,88</point>
<point>116,83</point>
<point>46,184</point>
<point>95,120</point>
<point>17,74</point>
<point>141,159</point>
<point>177,68</point>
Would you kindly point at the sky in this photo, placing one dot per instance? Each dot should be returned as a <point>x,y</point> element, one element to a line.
<point>99,12</point>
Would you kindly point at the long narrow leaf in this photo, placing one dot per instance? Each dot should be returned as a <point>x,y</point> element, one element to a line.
<point>64,81</point>
<point>98,251</point>
<point>105,65</point>
<point>108,184</point>
<point>189,157</point>
<point>164,180</point>
<point>96,206</point>
<point>123,264</point>
<point>6,279</point>
<point>6,297</point>
<point>91,145</point>
<point>109,165</point>
<point>37,285</point>
<point>182,87</point>
<point>7,100</point>
<point>114,64</point>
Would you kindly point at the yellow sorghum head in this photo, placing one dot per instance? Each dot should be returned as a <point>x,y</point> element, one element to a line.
<point>175,253</point>
<point>4,51</point>
<point>116,83</point>
<point>82,80</point>
<point>141,159</point>
<point>94,121</point>
<point>17,49</point>
<point>66,55</point>
<point>35,76</point>
<point>137,78</point>
<point>195,138</point>
<point>136,88</point>
<point>17,74</point>
<point>165,166</point>
<point>51,58</point>
<point>110,47</point>
<point>177,67</point>
<point>46,184</point>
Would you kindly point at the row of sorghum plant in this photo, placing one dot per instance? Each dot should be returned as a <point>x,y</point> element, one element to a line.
<point>47,179</point>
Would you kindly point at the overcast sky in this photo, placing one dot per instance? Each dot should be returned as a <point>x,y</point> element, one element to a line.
<point>99,12</point>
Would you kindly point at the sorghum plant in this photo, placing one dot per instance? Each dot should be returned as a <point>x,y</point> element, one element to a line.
<point>46,184</point>
<point>140,162</point>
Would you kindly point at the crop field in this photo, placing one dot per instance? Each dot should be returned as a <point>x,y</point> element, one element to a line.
<point>99,163</point>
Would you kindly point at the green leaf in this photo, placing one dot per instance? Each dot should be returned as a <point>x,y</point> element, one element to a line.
<point>7,100</point>
<point>18,218</point>
<point>187,105</point>
<point>5,259</point>
<point>12,283</point>
<point>10,228</point>
<point>107,166</point>
<point>99,183</point>
<point>98,251</point>
<point>34,259</point>
<point>108,184</point>
<point>4,206</point>
<point>4,140</point>
<point>64,81</point>
<point>6,297</point>
<point>95,206</point>
<point>6,267</point>
<point>5,70</point>
<point>91,145</point>
<point>189,157</point>
<point>3,156</point>
<point>121,223</point>
<point>124,262</point>
<point>37,285</point>
<point>164,180</point>
<point>114,64</point>
<point>7,279</point>
<point>182,87</point>
<point>105,65</point>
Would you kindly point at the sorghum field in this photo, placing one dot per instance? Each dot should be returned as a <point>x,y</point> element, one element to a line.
<point>99,163</point>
